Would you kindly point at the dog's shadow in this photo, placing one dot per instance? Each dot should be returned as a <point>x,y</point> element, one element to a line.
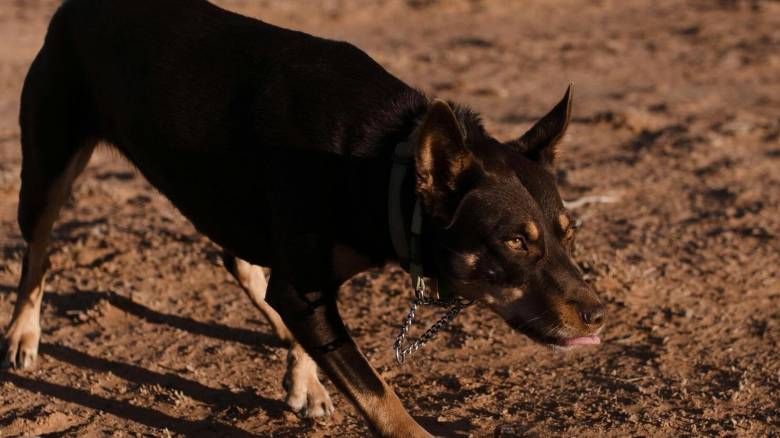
<point>133,373</point>
<point>457,428</point>
<point>140,414</point>
<point>65,304</point>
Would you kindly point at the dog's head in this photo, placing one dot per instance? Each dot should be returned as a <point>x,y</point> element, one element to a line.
<point>499,230</point>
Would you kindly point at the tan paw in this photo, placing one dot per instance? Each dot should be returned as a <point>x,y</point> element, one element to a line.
<point>19,347</point>
<point>305,393</point>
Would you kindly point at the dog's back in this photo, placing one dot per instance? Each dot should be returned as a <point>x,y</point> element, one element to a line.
<point>224,113</point>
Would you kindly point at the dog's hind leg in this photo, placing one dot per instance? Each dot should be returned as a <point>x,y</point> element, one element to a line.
<point>305,393</point>
<point>55,148</point>
<point>40,201</point>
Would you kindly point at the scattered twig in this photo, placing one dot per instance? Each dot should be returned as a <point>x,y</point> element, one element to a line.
<point>621,379</point>
<point>592,199</point>
<point>633,379</point>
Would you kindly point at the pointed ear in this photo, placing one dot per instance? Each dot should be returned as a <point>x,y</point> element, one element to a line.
<point>540,142</point>
<point>441,161</point>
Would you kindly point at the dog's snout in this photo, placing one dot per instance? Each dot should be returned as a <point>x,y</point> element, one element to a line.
<point>591,313</point>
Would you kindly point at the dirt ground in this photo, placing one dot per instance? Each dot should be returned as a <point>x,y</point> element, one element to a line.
<point>677,116</point>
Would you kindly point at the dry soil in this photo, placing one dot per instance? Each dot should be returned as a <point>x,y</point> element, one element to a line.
<point>677,116</point>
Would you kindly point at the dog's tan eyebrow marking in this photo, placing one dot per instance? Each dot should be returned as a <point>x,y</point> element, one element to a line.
<point>471,259</point>
<point>531,231</point>
<point>517,293</point>
<point>564,221</point>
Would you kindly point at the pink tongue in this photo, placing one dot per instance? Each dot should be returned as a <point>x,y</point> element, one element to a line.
<point>582,340</point>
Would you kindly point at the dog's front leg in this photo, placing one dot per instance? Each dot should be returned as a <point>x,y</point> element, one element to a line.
<point>305,393</point>
<point>314,320</point>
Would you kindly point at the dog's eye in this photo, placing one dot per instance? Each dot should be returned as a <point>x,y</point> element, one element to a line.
<point>517,243</point>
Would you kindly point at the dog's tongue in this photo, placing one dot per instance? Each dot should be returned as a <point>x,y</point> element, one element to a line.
<point>582,340</point>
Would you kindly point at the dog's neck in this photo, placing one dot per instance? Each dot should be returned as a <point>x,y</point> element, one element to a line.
<point>405,234</point>
<point>405,215</point>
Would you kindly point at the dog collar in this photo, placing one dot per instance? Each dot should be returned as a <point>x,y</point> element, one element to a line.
<point>408,246</point>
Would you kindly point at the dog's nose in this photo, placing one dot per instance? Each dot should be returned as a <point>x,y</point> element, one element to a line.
<point>592,313</point>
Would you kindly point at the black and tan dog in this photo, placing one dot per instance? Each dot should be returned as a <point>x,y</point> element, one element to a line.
<point>278,146</point>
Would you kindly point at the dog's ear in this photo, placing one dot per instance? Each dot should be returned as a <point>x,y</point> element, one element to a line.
<point>442,161</point>
<point>541,141</point>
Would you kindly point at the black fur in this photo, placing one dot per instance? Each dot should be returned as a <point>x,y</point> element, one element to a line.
<point>186,91</point>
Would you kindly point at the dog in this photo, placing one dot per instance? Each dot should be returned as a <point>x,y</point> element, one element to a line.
<point>279,146</point>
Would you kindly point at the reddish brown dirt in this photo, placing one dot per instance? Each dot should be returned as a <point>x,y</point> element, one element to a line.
<point>677,113</point>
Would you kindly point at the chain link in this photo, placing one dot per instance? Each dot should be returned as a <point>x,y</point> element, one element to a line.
<point>455,307</point>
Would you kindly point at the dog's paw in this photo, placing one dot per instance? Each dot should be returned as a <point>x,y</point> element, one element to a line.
<point>310,400</point>
<point>305,393</point>
<point>19,347</point>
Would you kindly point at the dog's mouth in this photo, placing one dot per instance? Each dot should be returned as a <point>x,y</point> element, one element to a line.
<point>550,338</point>
<point>528,322</point>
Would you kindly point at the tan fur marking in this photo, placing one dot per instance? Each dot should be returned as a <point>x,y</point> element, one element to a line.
<point>389,416</point>
<point>252,280</point>
<point>471,260</point>
<point>563,222</point>
<point>424,165</point>
<point>516,293</point>
<point>305,393</point>
<point>23,334</point>
<point>531,231</point>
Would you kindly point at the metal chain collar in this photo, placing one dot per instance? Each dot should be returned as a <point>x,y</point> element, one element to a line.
<point>409,249</point>
<point>455,306</point>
